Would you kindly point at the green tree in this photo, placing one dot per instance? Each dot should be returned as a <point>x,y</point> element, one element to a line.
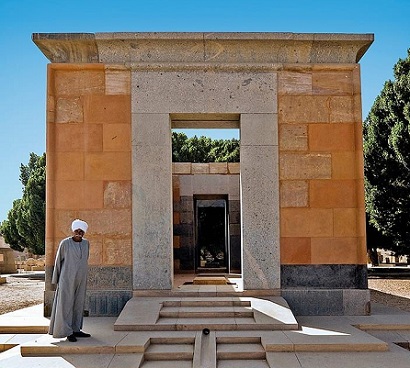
<point>203,149</point>
<point>25,224</point>
<point>387,160</point>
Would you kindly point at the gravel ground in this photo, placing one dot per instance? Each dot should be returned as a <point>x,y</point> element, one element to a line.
<point>21,292</point>
<point>390,292</point>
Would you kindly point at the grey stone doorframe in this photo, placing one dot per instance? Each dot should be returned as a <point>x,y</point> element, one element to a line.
<point>188,91</point>
<point>152,180</point>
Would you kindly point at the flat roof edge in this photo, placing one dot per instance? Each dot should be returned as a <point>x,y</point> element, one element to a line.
<point>225,47</point>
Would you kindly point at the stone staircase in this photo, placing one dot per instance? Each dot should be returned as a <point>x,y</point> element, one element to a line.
<point>213,313</point>
<point>201,332</point>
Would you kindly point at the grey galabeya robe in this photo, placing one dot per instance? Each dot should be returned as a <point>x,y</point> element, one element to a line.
<point>70,276</point>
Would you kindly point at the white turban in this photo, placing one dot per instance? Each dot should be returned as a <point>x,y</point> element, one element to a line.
<point>79,224</point>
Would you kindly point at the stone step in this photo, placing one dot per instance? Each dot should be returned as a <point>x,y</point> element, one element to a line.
<point>240,348</point>
<point>205,312</point>
<point>206,302</point>
<point>241,364</point>
<point>196,313</point>
<point>169,352</point>
<point>169,364</point>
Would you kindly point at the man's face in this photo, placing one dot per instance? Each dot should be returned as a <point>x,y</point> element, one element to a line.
<point>78,234</point>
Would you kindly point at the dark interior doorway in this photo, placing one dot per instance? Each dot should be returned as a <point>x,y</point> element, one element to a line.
<point>212,248</point>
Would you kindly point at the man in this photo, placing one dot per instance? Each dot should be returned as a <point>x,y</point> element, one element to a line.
<point>70,276</point>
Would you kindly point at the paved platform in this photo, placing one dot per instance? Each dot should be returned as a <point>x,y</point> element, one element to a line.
<point>345,341</point>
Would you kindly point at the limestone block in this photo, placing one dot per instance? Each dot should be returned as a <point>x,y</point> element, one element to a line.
<point>69,110</point>
<point>89,194</point>
<point>63,137</point>
<point>301,109</point>
<point>93,137</point>
<point>108,222</point>
<point>342,109</point>
<point>293,137</point>
<point>108,166</point>
<point>332,194</point>
<point>295,251</point>
<point>117,82</point>
<point>234,167</point>
<point>203,91</point>
<point>117,137</point>
<point>331,137</point>
<point>218,167</point>
<point>305,166</point>
<point>344,165</point>
<point>151,129</point>
<point>306,222</point>
<point>111,109</point>
<point>77,82</point>
<point>96,249</point>
<point>181,168</point>
<point>200,168</point>
<point>346,222</point>
<point>292,82</point>
<point>64,164</point>
<point>334,250</point>
<point>338,82</point>
<point>117,194</point>
<point>294,193</point>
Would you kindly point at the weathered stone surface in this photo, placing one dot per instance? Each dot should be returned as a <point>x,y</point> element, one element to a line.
<point>305,166</point>
<point>293,137</point>
<point>260,217</point>
<point>332,82</point>
<point>117,250</point>
<point>117,82</point>
<point>69,110</point>
<point>152,206</point>
<point>295,82</point>
<point>117,194</point>
<point>73,81</point>
<point>201,92</point>
<point>157,47</point>
<point>294,193</point>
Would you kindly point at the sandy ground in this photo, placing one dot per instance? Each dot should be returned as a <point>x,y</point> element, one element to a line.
<point>20,292</point>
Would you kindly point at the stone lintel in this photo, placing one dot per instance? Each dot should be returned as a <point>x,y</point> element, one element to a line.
<point>169,48</point>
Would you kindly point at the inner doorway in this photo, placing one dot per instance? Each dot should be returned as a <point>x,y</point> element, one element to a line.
<point>212,251</point>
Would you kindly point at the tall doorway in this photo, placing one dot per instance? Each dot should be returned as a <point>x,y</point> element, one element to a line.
<point>212,251</point>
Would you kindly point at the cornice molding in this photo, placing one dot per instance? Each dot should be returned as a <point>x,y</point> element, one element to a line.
<point>140,50</point>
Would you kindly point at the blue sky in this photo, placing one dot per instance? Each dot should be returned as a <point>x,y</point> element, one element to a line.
<point>23,66</point>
